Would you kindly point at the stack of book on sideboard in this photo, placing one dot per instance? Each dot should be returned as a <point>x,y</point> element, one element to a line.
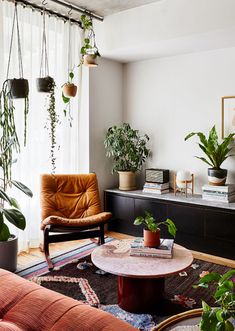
<point>219,193</point>
<point>165,250</point>
<point>156,188</point>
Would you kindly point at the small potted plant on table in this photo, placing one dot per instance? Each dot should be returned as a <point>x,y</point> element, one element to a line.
<point>152,230</point>
<point>216,154</point>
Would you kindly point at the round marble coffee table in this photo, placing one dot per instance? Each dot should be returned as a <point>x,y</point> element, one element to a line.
<point>140,279</point>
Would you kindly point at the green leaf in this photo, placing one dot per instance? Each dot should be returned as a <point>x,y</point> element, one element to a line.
<point>229,326</point>
<point>4,233</point>
<point>204,160</point>
<point>15,217</point>
<point>227,275</point>
<point>22,188</point>
<point>139,220</point>
<point>71,75</point>
<point>65,99</point>
<point>4,196</point>
<point>15,203</point>
<point>171,227</point>
<point>209,278</point>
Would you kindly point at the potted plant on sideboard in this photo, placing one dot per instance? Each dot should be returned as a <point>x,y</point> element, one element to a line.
<point>129,151</point>
<point>216,154</point>
<point>152,233</point>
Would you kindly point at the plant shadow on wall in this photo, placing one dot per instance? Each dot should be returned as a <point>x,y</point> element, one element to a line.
<point>216,153</point>
<point>129,151</point>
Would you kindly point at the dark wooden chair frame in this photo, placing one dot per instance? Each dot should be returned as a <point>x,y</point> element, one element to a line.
<point>69,233</point>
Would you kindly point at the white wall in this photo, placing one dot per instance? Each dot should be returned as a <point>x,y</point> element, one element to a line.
<point>106,101</point>
<point>170,97</point>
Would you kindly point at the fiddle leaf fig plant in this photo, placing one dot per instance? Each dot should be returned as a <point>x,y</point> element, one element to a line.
<point>152,225</point>
<point>127,148</point>
<point>216,152</point>
<point>223,286</point>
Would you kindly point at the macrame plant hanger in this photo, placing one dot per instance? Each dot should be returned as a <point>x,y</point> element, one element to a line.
<point>45,83</point>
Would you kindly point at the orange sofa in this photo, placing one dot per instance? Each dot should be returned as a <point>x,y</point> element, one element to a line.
<point>29,307</point>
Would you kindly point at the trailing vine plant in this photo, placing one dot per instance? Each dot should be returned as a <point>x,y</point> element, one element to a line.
<point>89,46</point>
<point>46,84</point>
<point>52,121</point>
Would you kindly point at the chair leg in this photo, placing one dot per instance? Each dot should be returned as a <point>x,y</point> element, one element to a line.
<point>101,239</point>
<point>46,248</point>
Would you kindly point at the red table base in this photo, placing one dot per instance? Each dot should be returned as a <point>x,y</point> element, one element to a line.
<point>140,295</point>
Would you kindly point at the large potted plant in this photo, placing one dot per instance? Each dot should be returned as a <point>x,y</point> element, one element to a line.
<point>129,151</point>
<point>216,153</point>
<point>152,232</point>
<point>10,213</point>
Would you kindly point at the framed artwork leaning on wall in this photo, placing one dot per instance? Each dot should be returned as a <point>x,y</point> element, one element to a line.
<point>227,115</point>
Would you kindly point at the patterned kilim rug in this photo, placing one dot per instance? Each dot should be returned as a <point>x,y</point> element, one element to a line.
<point>76,276</point>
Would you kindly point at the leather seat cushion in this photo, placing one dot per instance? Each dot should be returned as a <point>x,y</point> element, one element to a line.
<point>76,222</point>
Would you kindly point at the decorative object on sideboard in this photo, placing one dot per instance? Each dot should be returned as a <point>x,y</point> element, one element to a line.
<point>152,229</point>
<point>216,153</point>
<point>184,182</point>
<point>159,176</point>
<point>227,115</point>
<point>219,193</point>
<point>129,151</point>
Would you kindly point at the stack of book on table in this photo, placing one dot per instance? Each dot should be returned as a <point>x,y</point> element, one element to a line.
<point>156,188</point>
<point>165,250</point>
<point>219,193</point>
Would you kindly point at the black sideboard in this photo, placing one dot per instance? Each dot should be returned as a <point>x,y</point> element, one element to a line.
<point>202,225</point>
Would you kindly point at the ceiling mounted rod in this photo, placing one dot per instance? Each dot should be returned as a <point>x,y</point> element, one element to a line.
<point>26,3</point>
<point>78,9</point>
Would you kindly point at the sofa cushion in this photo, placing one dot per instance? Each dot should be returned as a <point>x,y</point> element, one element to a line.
<point>29,307</point>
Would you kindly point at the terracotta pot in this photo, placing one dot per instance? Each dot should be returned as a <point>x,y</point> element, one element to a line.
<point>151,239</point>
<point>69,90</point>
<point>18,88</point>
<point>8,253</point>
<point>126,180</point>
<point>45,84</point>
<point>217,176</point>
<point>90,60</point>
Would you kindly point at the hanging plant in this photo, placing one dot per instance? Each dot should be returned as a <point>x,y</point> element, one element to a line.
<point>12,89</point>
<point>69,89</point>
<point>89,50</point>
<point>46,84</point>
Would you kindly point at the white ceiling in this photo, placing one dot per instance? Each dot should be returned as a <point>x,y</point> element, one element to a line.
<point>109,7</point>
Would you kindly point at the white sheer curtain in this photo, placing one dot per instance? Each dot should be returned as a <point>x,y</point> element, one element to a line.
<point>34,158</point>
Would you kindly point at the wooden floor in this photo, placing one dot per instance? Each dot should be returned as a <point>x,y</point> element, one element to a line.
<point>35,255</point>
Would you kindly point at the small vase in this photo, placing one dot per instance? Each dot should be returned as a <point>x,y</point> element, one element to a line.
<point>18,88</point>
<point>45,84</point>
<point>217,176</point>
<point>151,239</point>
<point>69,90</point>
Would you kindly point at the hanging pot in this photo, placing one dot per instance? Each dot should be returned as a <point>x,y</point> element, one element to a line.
<point>69,90</point>
<point>18,88</point>
<point>90,60</point>
<point>151,239</point>
<point>126,180</point>
<point>45,84</point>
<point>217,176</point>
<point>8,253</point>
